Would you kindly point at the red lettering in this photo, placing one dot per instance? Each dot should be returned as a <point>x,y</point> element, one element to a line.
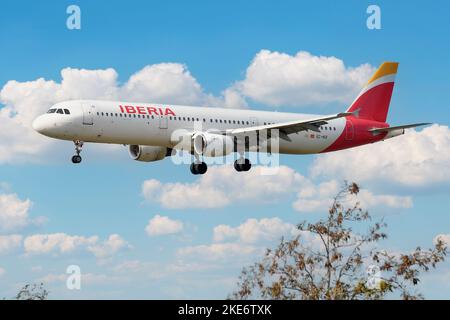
<point>145,110</point>
<point>169,112</point>
<point>151,110</point>
<point>130,109</point>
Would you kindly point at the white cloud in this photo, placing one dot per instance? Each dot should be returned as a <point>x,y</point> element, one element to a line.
<point>109,247</point>
<point>2,271</point>
<point>217,251</point>
<point>160,225</point>
<point>61,243</point>
<point>56,243</point>
<point>10,242</point>
<point>222,186</point>
<point>416,159</point>
<point>277,79</point>
<point>253,230</point>
<point>165,83</point>
<point>14,212</point>
<point>313,198</point>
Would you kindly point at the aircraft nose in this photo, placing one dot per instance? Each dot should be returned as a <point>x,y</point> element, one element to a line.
<point>40,124</point>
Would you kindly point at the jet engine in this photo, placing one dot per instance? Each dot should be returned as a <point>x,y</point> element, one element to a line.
<point>212,145</point>
<point>148,153</point>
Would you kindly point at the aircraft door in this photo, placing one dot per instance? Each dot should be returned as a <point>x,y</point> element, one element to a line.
<point>88,113</point>
<point>163,122</point>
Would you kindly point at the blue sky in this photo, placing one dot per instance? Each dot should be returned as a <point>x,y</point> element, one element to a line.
<point>216,42</point>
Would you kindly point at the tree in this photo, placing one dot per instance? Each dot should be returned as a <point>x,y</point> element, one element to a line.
<point>330,260</point>
<point>32,292</point>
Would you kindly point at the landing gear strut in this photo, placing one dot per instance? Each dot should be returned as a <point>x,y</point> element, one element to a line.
<point>242,165</point>
<point>78,148</point>
<point>199,168</point>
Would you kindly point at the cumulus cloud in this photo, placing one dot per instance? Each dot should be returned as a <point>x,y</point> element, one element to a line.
<point>253,230</point>
<point>416,159</point>
<point>222,186</point>
<point>109,247</point>
<point>247,240</point>
<point>276,78</point>
<point>14,212</point>
<point>61,243</point>
<point>165,83</point>
<point>160,225</point>
<point>56,243</point>
<point>312,198</point>
<point>10,242</point>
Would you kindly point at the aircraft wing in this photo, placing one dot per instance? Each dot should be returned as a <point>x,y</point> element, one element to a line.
<point>286,128</point>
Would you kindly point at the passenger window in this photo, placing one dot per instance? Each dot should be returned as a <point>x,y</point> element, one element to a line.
<point>210,120</point>
<point>66,111</point>
<point>247,122</point>
<point>204,120</point>
<point>216,120</point>
<point>184,118</point>
<point>220,120</point>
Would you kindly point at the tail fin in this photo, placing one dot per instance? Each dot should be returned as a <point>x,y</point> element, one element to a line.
<point>373,101</point>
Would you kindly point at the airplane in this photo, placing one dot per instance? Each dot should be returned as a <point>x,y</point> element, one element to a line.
<point>149,129</point>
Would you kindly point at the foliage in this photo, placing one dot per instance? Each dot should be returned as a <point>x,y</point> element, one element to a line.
<point>329,260</point>
<point>32,292</point>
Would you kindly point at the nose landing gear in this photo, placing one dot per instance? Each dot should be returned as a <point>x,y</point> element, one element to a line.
<point>78,148</point>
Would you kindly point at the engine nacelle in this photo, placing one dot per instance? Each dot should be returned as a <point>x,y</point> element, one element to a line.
<point>212,145</point>
<point>147,153</point>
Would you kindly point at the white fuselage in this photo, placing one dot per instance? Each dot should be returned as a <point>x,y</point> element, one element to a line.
<point>155,124</point>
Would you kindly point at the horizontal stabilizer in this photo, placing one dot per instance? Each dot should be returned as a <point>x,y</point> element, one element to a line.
<point>406,126</point>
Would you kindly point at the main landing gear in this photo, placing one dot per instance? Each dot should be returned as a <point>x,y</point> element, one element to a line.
<point>78,148</point>
<point>199,168</point>
<point>242,164</point>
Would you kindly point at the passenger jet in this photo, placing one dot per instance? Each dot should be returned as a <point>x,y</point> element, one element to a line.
<point>149,129</point>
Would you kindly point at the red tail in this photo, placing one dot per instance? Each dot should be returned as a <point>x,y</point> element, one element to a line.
<point>373,101</point>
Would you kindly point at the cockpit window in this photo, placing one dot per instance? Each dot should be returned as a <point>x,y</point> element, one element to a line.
<point>51,111</point>
<point>59,111</point>
<point>66,111</point>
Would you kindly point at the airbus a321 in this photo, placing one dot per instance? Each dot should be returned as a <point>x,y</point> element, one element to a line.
<point>149,130</point>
